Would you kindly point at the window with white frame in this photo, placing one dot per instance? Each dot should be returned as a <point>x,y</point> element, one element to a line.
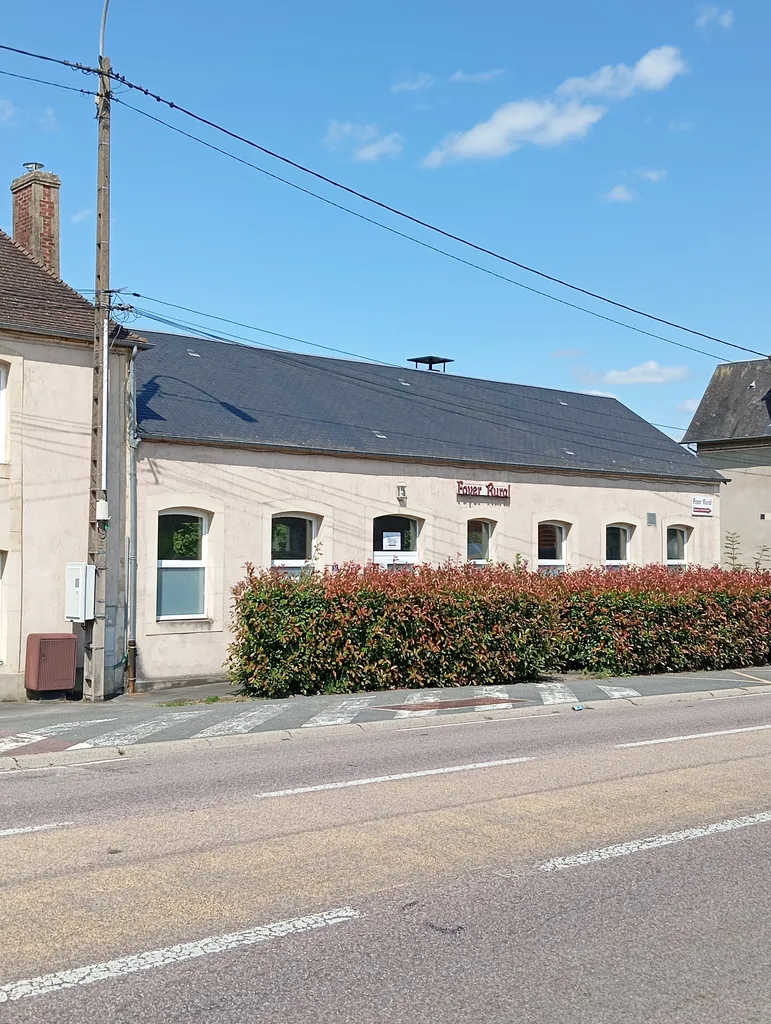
<point>292,544</point>
<point>3,556</point>
<point>677,546</point>
<point>551,547</point>
<point>395,541</point>
<point>182,564</point>
<point>478,536</point>
<point>3,412</point>
<point>618,538</point>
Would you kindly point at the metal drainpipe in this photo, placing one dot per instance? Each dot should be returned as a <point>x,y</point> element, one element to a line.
<point>131,645</point>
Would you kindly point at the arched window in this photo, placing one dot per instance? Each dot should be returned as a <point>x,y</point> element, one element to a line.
<point>293,543</point>
<point>677,546</point>
<point>618,539</point>
<point>551,547</point>
<point>395,541</point>
<point>478,536</point>
<point>182,564</point>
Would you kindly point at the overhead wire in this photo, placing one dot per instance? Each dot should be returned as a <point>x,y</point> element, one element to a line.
<point>43,81</point>
<point>420,241</point>
<point>385,206</point>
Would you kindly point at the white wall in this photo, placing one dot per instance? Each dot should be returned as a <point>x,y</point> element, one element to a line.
<point>44,488</point>
<point>241,490</point>
<point>745,497</point>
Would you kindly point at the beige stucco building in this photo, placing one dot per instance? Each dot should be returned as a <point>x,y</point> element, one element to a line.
<point>244,454</point>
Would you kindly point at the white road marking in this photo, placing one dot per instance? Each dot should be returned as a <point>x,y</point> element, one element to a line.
<point>692,736</point>
<point>47,983</point>
<point>125,737</point>
<point>419,697</point>
<point>340,713</point>
<point>556,693</point>
<point>494,691</point>
<point>616,692</point>
<point>375,780</point>
<point>24,829</point>
<point>654,842</point>
<point>749,675</point>
<point>243,723</point>
<point>24,739</point>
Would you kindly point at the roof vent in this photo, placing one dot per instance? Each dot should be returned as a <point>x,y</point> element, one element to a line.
<point>32,167</point>
<point>432,362</point>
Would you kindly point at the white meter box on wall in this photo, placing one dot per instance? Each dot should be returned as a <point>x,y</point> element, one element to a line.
<point>79,585</point>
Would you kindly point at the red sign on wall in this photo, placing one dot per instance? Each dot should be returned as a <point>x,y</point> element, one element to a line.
<point>500,491</point>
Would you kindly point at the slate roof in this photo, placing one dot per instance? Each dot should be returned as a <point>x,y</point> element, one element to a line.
<point>34,299</point>
<point>202,390</point>
<point>736,404</point>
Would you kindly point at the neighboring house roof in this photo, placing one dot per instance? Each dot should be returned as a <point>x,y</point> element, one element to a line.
<point>191,389</point>
<point>34,299</point>
<point>736,404</point>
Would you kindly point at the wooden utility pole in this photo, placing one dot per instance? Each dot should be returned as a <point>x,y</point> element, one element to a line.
<point>98,515</point>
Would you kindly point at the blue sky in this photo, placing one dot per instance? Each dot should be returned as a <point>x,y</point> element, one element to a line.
<point>623,146</point>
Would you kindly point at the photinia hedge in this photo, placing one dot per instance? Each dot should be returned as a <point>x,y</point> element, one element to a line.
<point>361,628</point>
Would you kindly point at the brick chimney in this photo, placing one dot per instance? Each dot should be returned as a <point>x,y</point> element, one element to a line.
<point>36,214</point>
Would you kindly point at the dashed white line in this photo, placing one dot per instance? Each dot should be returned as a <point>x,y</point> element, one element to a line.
<point>24,739</point>
<point>377,779</point>
<point>555,693</point>
<point>239,724</point>
<point>125,737</point>
<point>156,958</point>
<point>25,829</point>
<point>617,692</point>
<point>692,736</point>
<point>420,697</point>
<point>340,713</point>
<point>654,842</point>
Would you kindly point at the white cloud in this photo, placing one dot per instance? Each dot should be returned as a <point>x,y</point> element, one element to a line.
<point>601,394</point>
<point>478,77</point>
<point>620,194</point>
<point>367,142</point>
<point>80,216</point>
<point>541,122</point>
<point>652,72</point>
<point>709,13</point>
<point>389,145</point>
<point>421,81</point>
<point>688,407</point>
<point>7,112</point>
<point>681,126</point>
<point>653,176</point>
<point>649,372</point>
<point>48,121</point>
<point>552,121</point>
<point>339,131</point>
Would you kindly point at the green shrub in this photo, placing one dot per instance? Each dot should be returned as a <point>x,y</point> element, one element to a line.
<point>366,629</point>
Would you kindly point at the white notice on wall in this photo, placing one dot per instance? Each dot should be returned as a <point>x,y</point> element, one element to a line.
<point>392,541</point>
<point>702,506</point>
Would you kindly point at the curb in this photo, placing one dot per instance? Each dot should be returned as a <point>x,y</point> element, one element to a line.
<point>64,758</point>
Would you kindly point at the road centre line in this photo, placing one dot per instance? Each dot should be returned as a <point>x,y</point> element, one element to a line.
<point>375,780</point>
<point>47,983</point>
<point>692,736</point>
<point>25,829</point>
<point>653,842</point>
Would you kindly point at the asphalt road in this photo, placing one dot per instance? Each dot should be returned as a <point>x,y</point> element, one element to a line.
<point>567,867</point>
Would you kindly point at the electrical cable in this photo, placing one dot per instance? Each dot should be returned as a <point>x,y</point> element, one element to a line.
<point>115,76</point>
<point>419,241</point>
<point>54,85</point>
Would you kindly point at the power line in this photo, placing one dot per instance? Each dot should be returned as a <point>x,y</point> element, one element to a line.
<point>43,81</point>
<point>420,241</point>
<point>52,60</point>
<point>416,220</point>
<point>385,206</point>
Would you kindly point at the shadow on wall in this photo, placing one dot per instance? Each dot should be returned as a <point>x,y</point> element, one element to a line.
<point>153,388</point>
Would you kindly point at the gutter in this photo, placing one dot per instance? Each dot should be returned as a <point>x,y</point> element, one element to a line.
<point>713,478</point>
<point>133,444</point>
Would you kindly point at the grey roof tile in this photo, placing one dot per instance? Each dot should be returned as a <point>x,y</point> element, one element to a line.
<point>736,404</point>
<point>203,390</point>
